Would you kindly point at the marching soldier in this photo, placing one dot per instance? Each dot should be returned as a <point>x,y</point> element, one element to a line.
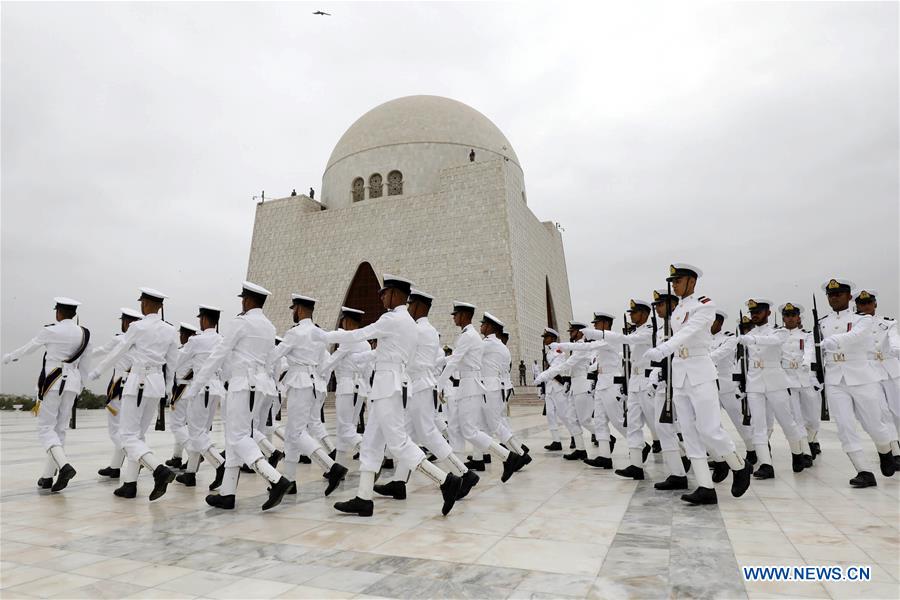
<point>852,384</point>
<point>304,433</point>
<point>550,390</point>
<point>60,382</point>
<point>694,378</point>
<point>179,409</point>
<point>201,408</point>
<point>241,354</point>
<point>114,393</point>
<point>397,336</point>
<point>887,365</point>
<point>796,357</point>
<point>767,390</point>
<point>722,353</point>
<point>153,344</point>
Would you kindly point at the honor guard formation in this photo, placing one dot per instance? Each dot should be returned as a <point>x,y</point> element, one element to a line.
<point>671,369</point>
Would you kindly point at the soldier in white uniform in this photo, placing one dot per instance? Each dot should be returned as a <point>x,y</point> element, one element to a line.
<point>241,355</point>
<point>201,408</point>
<point>695,396</point>
<point>65,361</point>
<point>153,345</point>
<point>420,406</point>
<point>550,390</point>
<point>887,365</point>
<point>114,393</point>
<point>397,336</point>
<point>852,384</point>
<point>796,358</point>
<point>178,418</point>
<point>767,390</point>
<point>723,354</point>
<point>640,405</point>
<point>465,362</point>
<point>306,354</point>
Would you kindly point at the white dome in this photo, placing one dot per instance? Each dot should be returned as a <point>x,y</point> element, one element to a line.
<point>416,135</point>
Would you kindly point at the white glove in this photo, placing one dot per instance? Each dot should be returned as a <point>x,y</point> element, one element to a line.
<point>553,346</point>
<point>539,379</point>
<point>830,344</point>
<point>7,358</point>
<point>653,355</point>
<point>746,340</point>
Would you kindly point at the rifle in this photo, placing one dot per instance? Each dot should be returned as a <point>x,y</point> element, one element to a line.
<point>741,378</point>
<point>818,367</point>
<point>666,415</point>
<point>622,380</point>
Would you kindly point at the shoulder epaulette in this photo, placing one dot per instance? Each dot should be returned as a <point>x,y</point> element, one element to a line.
<point>703,299</point>
<point>888,318</point>
<point>49,324</point>
<point>729,333</point>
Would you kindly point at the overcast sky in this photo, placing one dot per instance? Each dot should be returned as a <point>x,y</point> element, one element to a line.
<point>757,141</point>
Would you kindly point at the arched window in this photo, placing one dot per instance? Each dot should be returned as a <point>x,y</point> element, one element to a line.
<point>395,183</point>
<point>359,189</point>
<point>375,187</point>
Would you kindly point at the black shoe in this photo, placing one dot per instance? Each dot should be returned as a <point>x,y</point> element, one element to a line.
<point>247,469</point>
<point>657,447</point>
<point>740,481</point>
<point>45,483</point>
<point>612,443</point>
<point>188,479</point>
<point>896,464</point>
<point>645,452</point>
<point>174,462</point>
<point>764,472</point>
<point>525,449</point>
<point>572,442</point>
<point>335,476</point>
<point>223,502</point>
<point>162,477</point>
<point>807,461</point>
<point>276,493</point>
<point>126,490</point>
<point>333,454</point>
<point>450,490</point>
<point>486,459</point>
<point>815,448</point>
<point>751,457</point>
<point>356,456</point>
<point>67,472</point>
<point>863,479</point>
<point>576,455</point>
<point>292,489</point>
<point>304,460</point>
<point>686,463</point>
<point>672,482</point>
<point>797,463</point>
<point>594,440</point>
<point>474,465</point>
<point>469,480</point>
<point>600,462</point>
<point>720,471</point>
<point>356,506</point>
<point>631,472</point>
<point>387,463</point>
<point>109,472</point>
<point>701,495</point>
<point>394,489</point>
<point>553,446</point>
<point>220,473</point>
<point>510,466</point>
<point>275,458</point>
<point>524,459</point>
<point>885,459</point>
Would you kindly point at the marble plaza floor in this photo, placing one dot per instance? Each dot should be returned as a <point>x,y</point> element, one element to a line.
<point>556,530</point>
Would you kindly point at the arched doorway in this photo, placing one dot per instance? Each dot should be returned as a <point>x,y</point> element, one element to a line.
<point>551,313</point>
<point>362,293</point>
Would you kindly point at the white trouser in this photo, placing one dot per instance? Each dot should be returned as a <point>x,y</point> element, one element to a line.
<point>200,413</point>
<point>386,427</point>
<point>134,421</point>
<point>264,412</point>
<point>608,411</point>
<point>667,432</point>
<point>420,416</point>
<point>865,402</point>
<point>778,403</point>
<point>454,432</point>
<point>565,411</point>
<point>640,413</point>
<point>806,404</point>
<point>53,417</point>
<point>316,424</point>
<point>240,447</point>
<point>552,420</point>
<point>494,408</point>
<point>178,424</point>
<point>732,406</point>
<point>112,423</point>
<point>891,409</point>
<point>470,418</point>
<point>699,417</point>
<point>301,404</point>
<point>346,417</point>
<point>583,406</point>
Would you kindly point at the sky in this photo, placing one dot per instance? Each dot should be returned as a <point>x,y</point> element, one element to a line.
<point>758,141</point>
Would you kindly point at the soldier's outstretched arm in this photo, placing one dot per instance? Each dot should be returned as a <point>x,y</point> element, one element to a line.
<point>37,342</point>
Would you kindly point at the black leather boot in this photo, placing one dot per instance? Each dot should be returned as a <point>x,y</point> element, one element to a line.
<point>885,459</point>
<point>863,479</point>
<point>764,472</point>
<point>576,455</point>
<point>571,442</point>
<point>469,480</point>
<point>335,476</point>
<point>797,463</point>
<point>645,452</point>
<point>67,472</point>
<point>751,457</point>
<point>701,495</point>
<point>510,466</point>
<point>109,472</point>
<point>275,458</point>
<point>387,463</point>
<point>474,465</point>
<point>631,472</point>
<point>162,477</point>
<point>394,489</point>
<point>126,490</point>
<point>740,481</point>
<point>720,471</point>
<point>45,483</point>
<point>223,502</point>
<point>486,459</point>
<point>356,506</point>
<point>220,473</point>
<point>304,460</point>
<point>450,490</point>
<point>525,459</point>
<point>815,448</point>
<point>657,447</point>
<point>553,446</point>
<point>276,493</point>
<point>672,482</point>
<point>600,462</point>
<point>188,479</point>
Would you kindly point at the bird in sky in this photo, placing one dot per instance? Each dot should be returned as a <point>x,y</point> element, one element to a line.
<point>319,12</point>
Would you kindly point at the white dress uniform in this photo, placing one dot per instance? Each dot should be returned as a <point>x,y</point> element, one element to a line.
<point>494,369</point>
<point>179,410</point>
<point>153,344</point>
<point>579,405</point>
<point>767,391</point>
<point>201,407</point>
<point>796,358</point>
<point>722,352</point>
<point>349,364</point>
<point>556,396</point>
<point>62,378</point>
<point>852,384</point>
<point>888,367</point>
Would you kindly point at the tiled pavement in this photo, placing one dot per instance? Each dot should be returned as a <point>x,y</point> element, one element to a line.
<point>557,529</point>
